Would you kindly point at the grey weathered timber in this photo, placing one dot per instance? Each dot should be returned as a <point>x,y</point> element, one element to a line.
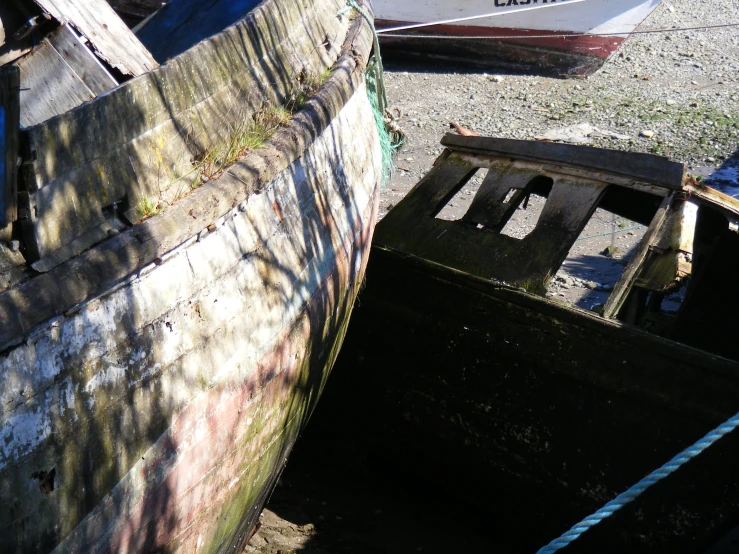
<point>111,38</point>
<point>138,142</point>
<point>646,167</point>
<point>9,117</point>
<point>153,386</point>
<point>59,75</point>
<point>624,286</point>
<point>76,54</point>
<point>119,256</point>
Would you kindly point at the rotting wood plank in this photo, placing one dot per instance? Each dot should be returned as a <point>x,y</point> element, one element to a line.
<point>87,67</point>
<point>111,38</point>
<point>645,167</point>
<point>529,262</point>
<point>37,300</point>
<point>139,145</point>
<point>488,207</point>
<point>50,86</point>
<point>9,134</point>
<point>633,268</point>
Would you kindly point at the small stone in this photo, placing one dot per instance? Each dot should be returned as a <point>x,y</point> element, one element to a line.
<point>409,159</point>
<point>693,82</point>
<point>671,102</point>
<point>694,104</point>
<point>592,285</point>
<point>647,134</point>
<point>15,245</point>
<point>711,159</point>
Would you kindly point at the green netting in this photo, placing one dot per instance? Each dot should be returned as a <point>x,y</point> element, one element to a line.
<point>391,136</point>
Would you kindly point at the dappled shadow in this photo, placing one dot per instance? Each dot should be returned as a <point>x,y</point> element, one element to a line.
<point>173,365</point>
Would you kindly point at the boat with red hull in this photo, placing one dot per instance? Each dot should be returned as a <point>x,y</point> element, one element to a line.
<point>569,37</point>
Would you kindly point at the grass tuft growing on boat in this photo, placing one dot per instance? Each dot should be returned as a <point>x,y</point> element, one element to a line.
<point>307,83</point>
<point>248,135</point>
<point>148,208</point>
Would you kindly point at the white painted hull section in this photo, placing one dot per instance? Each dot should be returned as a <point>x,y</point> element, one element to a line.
<point>589,16</point>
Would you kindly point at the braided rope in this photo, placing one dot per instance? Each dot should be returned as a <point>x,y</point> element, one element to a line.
<point>631,494</point>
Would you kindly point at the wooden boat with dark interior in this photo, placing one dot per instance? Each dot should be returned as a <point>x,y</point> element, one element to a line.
<point>470,375</point>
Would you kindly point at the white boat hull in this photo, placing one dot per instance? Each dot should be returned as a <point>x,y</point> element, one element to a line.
<point>517,34</point>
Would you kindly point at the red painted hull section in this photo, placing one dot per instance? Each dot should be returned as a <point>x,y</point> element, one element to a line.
<point>527,50</point>
<point>585,45</point>
<point>198,466</point>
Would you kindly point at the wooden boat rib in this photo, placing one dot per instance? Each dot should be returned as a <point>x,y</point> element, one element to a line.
<point>464,374</point>
<point>559,38</point>
<point>154,377</point>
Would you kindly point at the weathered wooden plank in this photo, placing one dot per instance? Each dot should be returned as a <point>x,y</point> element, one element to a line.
<point>488,206</point>
<point>633,269</point>
<point>148,131</point>
<point>9,134</point>
<point>111,38</point>
<point>645,167</point>
<point>87,67</point>
<point>50,86</point>
<point>40,299</point>
<point>529,262</point>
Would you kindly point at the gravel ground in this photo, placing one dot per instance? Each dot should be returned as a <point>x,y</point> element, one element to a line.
<point>674,94</point>
<point>681,87</point>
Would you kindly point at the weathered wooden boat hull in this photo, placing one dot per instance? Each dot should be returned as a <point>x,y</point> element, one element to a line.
<point>532,411</point>
<point>562,39</point>
<point>535,416</point>
<point>154,383</point>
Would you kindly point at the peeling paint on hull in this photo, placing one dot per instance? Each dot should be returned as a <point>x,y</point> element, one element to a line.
<point>158,412</point>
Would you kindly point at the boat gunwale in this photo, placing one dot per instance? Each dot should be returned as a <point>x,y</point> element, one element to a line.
<point>709,363</point>
<point>38,301</point>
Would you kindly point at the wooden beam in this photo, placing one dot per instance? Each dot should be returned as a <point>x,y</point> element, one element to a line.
<point>653,169</point>
<point>109,36</point>
<point>50,86</point>
<point>9,132</point>
<point>87,67</point>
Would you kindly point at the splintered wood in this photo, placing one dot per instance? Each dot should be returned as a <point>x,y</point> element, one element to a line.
<point>109,36</point>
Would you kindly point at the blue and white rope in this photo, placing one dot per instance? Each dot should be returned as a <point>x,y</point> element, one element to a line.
<point>624,498</point>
